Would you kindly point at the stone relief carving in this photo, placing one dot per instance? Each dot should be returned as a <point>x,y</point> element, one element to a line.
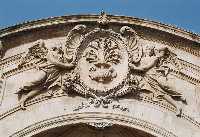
<point>150,67</point>
<point>152,75</point>
<point>102,65</point>
<point>48,63</point>
<point>103,18</point>
<point>102,53</point>
<point>100,125</point>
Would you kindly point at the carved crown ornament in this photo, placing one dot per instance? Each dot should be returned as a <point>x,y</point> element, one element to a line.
<point>102,65</point>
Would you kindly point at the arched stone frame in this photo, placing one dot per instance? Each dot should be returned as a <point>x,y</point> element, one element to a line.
<point>133,122</point>
<point>90,117</point>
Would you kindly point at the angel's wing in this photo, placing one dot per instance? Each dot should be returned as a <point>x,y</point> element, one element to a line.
<point>136,53</point>
<point>133,46</point>
<point>73,40</point>
<point>37,51</point>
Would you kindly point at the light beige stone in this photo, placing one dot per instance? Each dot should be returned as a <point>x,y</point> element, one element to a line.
<point>99,76</point>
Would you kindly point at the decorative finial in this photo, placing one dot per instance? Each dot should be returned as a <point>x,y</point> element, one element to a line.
<point>103,18</point>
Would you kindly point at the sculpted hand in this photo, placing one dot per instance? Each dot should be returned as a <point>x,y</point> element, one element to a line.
<point>132,66</point>
<point>140,69</point>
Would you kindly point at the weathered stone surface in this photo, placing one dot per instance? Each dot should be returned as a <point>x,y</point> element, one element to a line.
<point>99,76</point>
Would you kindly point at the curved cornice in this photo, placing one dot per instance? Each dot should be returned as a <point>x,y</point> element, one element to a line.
<point>90,117</point>
<point>29,25</point>
<point>148,32</point>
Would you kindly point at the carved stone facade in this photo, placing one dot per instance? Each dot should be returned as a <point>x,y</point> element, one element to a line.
<point>99,76</point>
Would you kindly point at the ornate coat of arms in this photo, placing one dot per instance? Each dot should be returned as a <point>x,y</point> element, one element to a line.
<point>102,65</point>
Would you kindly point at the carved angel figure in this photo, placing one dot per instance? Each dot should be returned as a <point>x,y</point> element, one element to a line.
<point>153,70</point>
<point>49,63</point>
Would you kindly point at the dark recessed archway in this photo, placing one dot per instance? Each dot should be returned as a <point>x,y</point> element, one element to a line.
<point>84,130</point>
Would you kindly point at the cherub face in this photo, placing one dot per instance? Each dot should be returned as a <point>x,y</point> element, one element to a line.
<point>149,50</point>
<point>102,59</point>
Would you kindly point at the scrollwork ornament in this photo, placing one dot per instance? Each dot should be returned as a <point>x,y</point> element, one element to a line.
<point>102,65</point>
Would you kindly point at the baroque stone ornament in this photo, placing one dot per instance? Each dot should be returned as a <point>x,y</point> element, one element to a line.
<point>100,125</point>
<point>153,70</point>
<point>49,64</point>
<point>102,69</point>
<point>102,65</point>
<point>99,75</point>
<point>103,18</point>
